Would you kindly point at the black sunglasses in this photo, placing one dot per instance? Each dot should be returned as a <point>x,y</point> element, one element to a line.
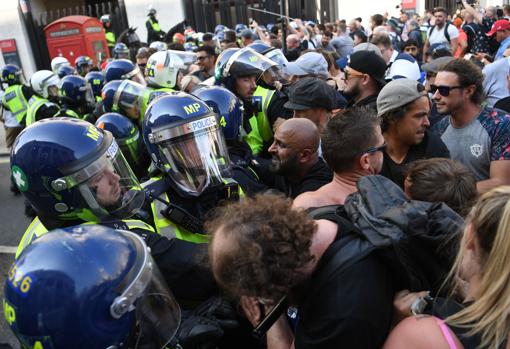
<point>373,149</point>
<point>443,90</point>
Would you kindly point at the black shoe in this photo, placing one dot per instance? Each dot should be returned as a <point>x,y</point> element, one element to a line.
<point>14,189</point>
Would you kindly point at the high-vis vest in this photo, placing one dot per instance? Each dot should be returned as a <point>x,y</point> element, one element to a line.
<point>154,25</point>
<point>261,131</point>
<point>149,94</point>
<point>15,101</point>
<point>34,104</point>
<point>37,229</point>
<point>110,38</point>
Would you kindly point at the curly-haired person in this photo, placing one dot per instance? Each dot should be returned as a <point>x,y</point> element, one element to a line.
<point>262,249</point>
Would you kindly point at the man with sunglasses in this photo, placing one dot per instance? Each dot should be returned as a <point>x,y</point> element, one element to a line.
<point>364,78</point>
<point>352,145</point>
<point>404,107</point>
<point>478,137</point>
<point>206,60</point>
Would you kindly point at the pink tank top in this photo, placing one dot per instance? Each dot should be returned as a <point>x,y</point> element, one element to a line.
<point>446,333</point>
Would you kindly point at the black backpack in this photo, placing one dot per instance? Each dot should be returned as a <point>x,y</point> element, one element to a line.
<point>417,240</point>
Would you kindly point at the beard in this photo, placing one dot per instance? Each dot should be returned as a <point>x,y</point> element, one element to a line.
<point>354,92</point>
<point>283,168</point>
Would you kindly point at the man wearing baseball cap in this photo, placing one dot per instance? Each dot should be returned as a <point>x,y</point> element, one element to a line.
<point>313,99</point>
<point>364,78</point>
<point>501,32</point>
<point>404,108</point>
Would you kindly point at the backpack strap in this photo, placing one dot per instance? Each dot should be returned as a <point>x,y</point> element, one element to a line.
<point>446,34</point>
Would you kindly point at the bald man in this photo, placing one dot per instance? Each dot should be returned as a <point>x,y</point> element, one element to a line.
<point>295,165</point>
<point>293,47</point>
<point>352,145</point>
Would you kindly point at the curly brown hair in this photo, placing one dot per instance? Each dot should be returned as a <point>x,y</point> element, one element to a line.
<point>264,243</point>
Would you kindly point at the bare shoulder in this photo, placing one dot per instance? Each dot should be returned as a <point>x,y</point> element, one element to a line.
<point>418,332</point>
<point>306,200</point>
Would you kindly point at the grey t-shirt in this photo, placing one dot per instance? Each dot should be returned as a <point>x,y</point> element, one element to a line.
<point>485,139</point>
<point>343,45</point>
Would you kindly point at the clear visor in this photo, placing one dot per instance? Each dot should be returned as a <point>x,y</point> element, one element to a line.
<point>278,57</point>
<point>273,75</point>
<point>108,186</point>
<point>131,149</point>
<point>195,154</point>
<point>188,58</point>
<point>251,62</point>
<point>135,75</point>
<point>157,312</point>
<point>90,99</point>
<point>128,99</point>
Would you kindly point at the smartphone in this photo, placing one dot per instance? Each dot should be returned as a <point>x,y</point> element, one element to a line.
<point>270,318</point>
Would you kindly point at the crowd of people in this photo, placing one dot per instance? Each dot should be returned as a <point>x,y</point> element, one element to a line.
<point>349,187</point>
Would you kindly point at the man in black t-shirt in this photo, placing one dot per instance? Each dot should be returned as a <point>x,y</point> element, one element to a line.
<point>404,107</point>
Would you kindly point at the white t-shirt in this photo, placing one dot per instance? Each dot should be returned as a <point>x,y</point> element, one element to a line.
<point>438,36</point>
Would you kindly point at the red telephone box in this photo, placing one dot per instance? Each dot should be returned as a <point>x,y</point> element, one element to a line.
<point>74,36</point>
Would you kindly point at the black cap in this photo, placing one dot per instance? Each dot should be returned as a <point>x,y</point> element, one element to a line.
<point>311,93</point>
<point>369,62</point>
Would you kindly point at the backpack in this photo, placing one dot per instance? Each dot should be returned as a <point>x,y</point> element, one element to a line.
<point>416,239</point>
<point>446,34</point>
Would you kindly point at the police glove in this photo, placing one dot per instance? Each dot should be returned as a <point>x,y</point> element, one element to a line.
<point>197,332</point>
<point>220,310</point>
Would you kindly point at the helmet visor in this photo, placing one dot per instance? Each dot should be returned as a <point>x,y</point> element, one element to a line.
<point>135,75</point>
<point>195,154</point>
<point>128,99</point>
<point>146,292</point>
<point>131,148</point>
<point>278,57</point>
<point>249,62</point>
<point>187,57</point>
<point>107,186</point>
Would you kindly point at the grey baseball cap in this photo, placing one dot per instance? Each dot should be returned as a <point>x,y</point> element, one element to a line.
<point>398,93</point>
<point>435,65</point>
<point>311,63</point>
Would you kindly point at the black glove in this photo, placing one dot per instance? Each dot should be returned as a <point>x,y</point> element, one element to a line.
<point>220,310</point>
<point>197,332</point>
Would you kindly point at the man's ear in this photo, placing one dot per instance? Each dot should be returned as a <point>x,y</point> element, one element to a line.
<point>470,90</point>
<point>305,155</point>
<point>364,162</point>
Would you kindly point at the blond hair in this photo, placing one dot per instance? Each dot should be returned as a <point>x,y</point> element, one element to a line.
<point>489,316</point>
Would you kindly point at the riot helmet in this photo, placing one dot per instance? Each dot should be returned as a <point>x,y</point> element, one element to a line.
<point>96,82</point>
<point>69,169</point>
<point>123,69</point>
<point>75,91</point>
<point>163,69</point>
<point>227,106</point>
<point>45,84</point>
<point>184,140</point>
<point>120,51</point>
<point>88,287</point>
<point>126,135</point>
<point>83,64</point>
<point>273,53</point>
<point>57,62</point>
<point>158,46</point>
<point>66,70</point>
<point>12,75</point>
<point>233,63</point>
<point>123,96</point>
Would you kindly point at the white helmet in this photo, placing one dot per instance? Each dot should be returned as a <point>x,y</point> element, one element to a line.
<point>58,62</point>
<point>163,68</point>
<point>158,46</point>
<point>42,80</point>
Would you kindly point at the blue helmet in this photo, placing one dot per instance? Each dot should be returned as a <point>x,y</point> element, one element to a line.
<point>11,74</point>
<point>96,82</point>
<point>69,169</point>
<point>273,53</point>
<point>123,69</point>
<point>184,140</point>
<point>125,133</point>
<point>83,65</point>
<point>239,62</point>
<point>123,96</point>
<point>75,91</point>
<point>65,70</point>
<point>219,28</point>
<point>239,28</point>
<point>87,287</point>
<point>120,51</point>
<point>227,106</point>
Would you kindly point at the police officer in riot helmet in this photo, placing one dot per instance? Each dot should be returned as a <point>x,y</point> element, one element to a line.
<point>252,77</point>
<point>230,110</point>
<point>44,102</point>
<point>94,287</point>
<point>125,97</point>
<point>186,144</point>
<point>74,173</point>
<point>76,98</point>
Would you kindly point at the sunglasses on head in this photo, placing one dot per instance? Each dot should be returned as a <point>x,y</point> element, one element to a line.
<point>443,90</point>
